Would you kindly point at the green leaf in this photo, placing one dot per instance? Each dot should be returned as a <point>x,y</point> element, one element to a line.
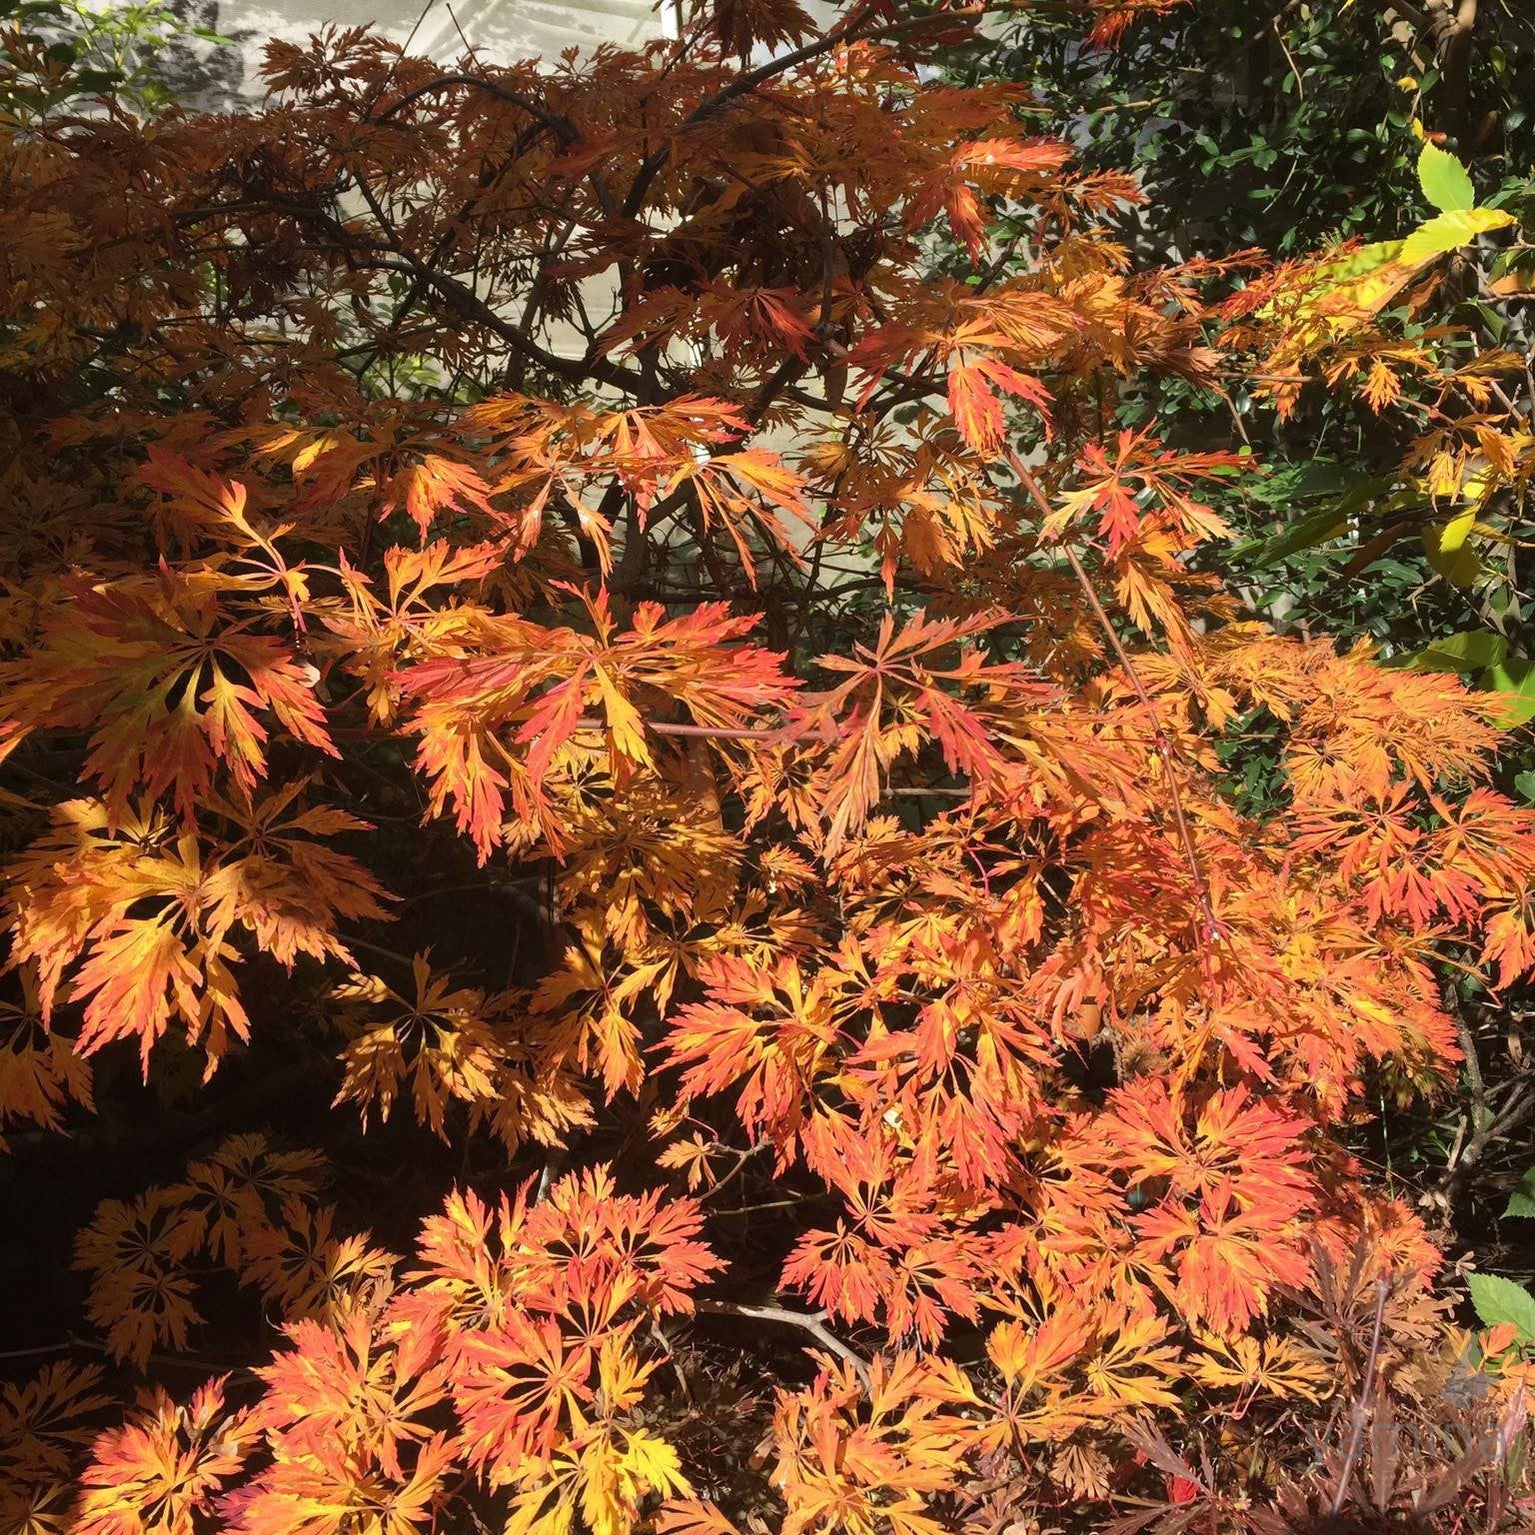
<point>1322,477</point>
<point>101,81</point>
<point>1444,180</point>
<point>1315,528</point>
<point>1522,1201</point>
<point>1454,533</point>
<point>1448,552</point>
<point>1447,232</point>
<point>1514,678</point>
<point>1501,1300</point>
<point>1305,534</point>
<point>1289,483</point>
<point>1494,322</point>
<point>1360,263</point>
<point>1364,278</point>
<point>1466,652</point>
<point>1367,279</point>
<point>1525,784</point>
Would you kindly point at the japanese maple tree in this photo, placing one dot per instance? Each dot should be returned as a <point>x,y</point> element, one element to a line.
<point>891,1075</point>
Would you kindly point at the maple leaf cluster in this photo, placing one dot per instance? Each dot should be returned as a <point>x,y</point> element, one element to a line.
<point>1413,334</point>
<point>568,485</point>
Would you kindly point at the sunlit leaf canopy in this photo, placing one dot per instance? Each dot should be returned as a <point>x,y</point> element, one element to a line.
<point>567,491</point>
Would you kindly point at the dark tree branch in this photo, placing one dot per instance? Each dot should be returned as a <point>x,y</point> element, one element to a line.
<point>556,124</point>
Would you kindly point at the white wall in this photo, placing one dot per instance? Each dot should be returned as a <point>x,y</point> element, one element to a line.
<point>499,30</point>
<point>208,77</point>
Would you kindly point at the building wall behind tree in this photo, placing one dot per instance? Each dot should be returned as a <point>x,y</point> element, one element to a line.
<point>215,77</point>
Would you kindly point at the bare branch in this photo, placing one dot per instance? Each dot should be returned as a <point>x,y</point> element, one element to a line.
<point>812,1322</point>
<point>556,124</point>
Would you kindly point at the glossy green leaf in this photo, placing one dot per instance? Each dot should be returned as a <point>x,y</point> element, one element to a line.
<point>1514,678</point>
<point>1522,1201</point>
<point>1467,652</point>
<point>1447,232</point>
<point>1315,529</point>
<point>1449,553</point>
<point>1454,533</point>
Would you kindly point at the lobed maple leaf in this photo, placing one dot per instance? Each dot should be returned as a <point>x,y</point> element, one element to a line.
<point>237,1193</point>
<point>846,1462</point>
<point>520,1392</point>
<point>330,1495</point>
<point>168,681</point>
<point>140,1290</point>
<point>902,692</point>
<point>1141,488</point>
<point>165,1468</point>
<point>778,1061</point>
<point>454,1049</point>
<point>149,913</point>
<point>44,1421</point>
<point>41,1073</point>
<point>303,1268</point>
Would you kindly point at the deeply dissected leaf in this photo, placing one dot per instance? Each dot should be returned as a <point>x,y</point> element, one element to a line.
<point>890,963</point>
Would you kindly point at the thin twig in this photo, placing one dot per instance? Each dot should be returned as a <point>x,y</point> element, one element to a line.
<point>669,1349</point>
<point>1300,84</point>
<point>91,1346</point>
<point>388,80</point>
<point>380,950</point>
<point>1361,1411</point>
<point>556,124</point>
<point>740,1162</point>
<point>695,732</point>
<point>42,1348</point>
<point>812,1322</point>
<point>1476,1114</point>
